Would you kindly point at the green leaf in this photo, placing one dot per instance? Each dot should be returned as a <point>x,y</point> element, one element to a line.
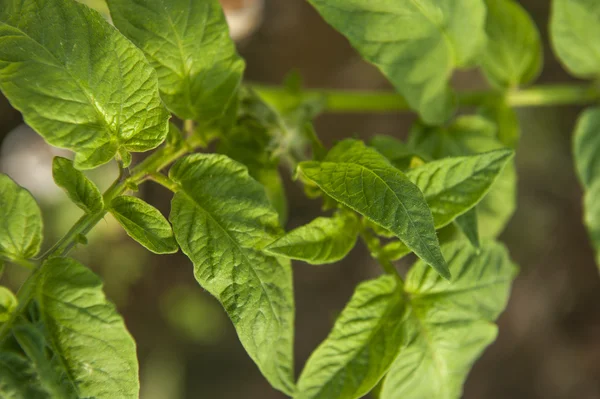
<point>363,180</point>
<point>188,44</point>
<point>81,190</point>
<point>470,135</point>
<point>467,223</point>
<point>93,91</point>
<point>20,221</point>
<point>50,377</point>
<point>586,146</point>
<point>513,52</point>
<point>85,331</point>
<point>18,380</point>
<point>8,303</point>
<point>505,118</point>
<point>223,220</point>
<point>450,323</point>
<point>591,214</point>
<point>400,154</point>
<point>324,240</point>
<point>452,186</point>
<point>361,347</point>
<point>575,30</point>
<point>416,44</point>
<point>144,223</point>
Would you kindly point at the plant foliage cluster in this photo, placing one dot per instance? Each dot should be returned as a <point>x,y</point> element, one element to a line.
<point>167,76</point>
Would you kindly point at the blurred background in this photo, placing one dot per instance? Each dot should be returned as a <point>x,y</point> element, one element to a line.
<point>549,341</point>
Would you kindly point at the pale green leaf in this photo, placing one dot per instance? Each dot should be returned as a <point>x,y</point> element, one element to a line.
<point>223,220</point>
<point>586,146</point>
<point>591,212</point>
<point>470,135</point>
<point>361,347</point>
<point>364,180</point>
<point>324,240</point>
<point>78,82</point>
<point>188,44</point>
<point>452,186</point>
<point>82,191</point>
<point>144,223</point>
<point>416,44</point>
<point>450,323</point>
<point>8,303</point>
<point>575,34</point>
<point>85,331</point>
<point>467,223</point>
<point>20,221</point>
<point>513,51</point>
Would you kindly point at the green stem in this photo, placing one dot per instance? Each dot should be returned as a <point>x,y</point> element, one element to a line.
<point>163,181</point>
<point>378,101</point>
<point>374,246</point>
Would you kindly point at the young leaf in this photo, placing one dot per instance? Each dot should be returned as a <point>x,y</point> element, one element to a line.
<point>361,347</point>
<point>8,303</point>
<point>93,92</point>
<point>467,223</point>
<point>144,223</point>
<point>574,30</point>
<point>452,186</point>
<point>470,135</point>
<point>188,44</point>
<point>363,180</point>
<point>417,45</point>
<point>450,323</point>
<point>85,331</point>
<point>82,191</point>
<point>586,146</point>
<point>513,52</point>
<point>324,240</point>
<point>21,221</point>
<point>222,220</point>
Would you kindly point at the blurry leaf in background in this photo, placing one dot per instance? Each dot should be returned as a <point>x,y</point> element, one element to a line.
<point>8,303</point>
<point>586,152</point>
<point>574,29</point>
<point>506,120</point>
<point>188,44</point>
<point>449,323</point>
<point>364,180</point>
<point>193,315</point>
<point>417,45</point>
<point>513,51</point>
<point>101,118</point>
<point>469,135</point>
<point>21,221</point>
<point>396,151</point>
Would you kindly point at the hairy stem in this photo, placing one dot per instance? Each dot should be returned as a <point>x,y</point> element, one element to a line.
<point>378,101</point>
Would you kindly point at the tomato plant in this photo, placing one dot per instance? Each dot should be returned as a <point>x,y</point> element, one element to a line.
<point>167,78</point>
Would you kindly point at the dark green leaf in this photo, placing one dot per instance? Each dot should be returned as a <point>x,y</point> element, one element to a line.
<point>82,191</point>
<point>188,44</point>
<point>20,221</point>
<point>513,52</point>
<point>363,180</point>
<point>416,44</point>
<point>467,223</point>
<point>361,347</point>
<point>574,30</point>
<point>18,380</point>
<point>324,240</point>
<point>144,223</point>
<point>450,323</point>
<point>77,81</point>
<point>223,220</point>
<point>452,186</point>
<point>85,331</point>
<point>400,154</point>
<point>586,146</point>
